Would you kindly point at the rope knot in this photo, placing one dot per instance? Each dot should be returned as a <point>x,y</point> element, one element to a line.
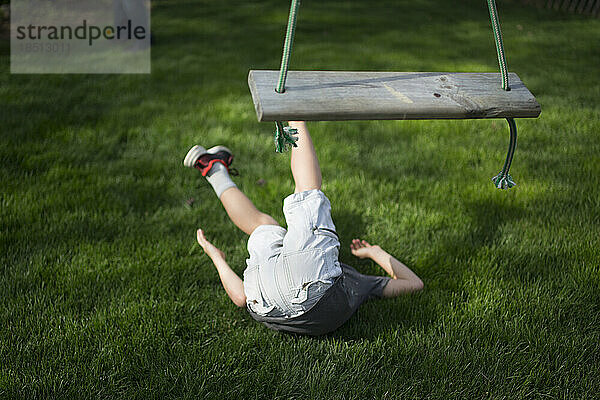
<point>503,181</point>
<point>284,137</point>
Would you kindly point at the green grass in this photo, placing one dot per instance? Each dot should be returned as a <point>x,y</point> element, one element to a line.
<point>104,295</point>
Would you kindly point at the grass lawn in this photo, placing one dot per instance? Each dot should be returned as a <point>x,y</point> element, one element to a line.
<point>104,294</point>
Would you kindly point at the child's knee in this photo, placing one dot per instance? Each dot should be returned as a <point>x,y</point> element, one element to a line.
<point>266,219</point>
<point>310,186</point>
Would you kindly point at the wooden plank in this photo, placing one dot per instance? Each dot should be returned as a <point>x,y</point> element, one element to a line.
<point>343,95</point>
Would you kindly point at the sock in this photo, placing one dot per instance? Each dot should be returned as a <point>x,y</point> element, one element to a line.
<point>219,179</point>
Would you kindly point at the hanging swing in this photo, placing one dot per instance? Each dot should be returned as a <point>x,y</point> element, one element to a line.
<point>344,95</point>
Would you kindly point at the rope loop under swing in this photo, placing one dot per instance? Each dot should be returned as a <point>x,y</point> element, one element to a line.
<point>503,180</point>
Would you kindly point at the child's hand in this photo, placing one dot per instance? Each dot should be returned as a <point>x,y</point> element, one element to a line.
<point>362,248</point>
<point>210,249</point>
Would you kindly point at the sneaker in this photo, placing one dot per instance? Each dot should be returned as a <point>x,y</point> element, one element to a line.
<point>203,160</point>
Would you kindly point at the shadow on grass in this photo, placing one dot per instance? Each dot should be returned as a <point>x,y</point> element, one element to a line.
<point>421,311</point>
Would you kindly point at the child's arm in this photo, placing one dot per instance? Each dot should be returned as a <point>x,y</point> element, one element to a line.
<point>403,279</point>
<point>231,281</point>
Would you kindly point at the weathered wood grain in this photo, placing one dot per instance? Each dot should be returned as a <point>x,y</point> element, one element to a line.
<point>343,95</point>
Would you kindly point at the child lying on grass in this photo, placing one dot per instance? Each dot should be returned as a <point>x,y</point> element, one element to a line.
<point>294,281</point>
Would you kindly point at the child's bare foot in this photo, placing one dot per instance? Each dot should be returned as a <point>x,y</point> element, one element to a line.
<point>210,249</point>
<point>362,248</point>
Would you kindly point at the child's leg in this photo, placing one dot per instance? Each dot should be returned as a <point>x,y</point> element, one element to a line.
<point>304,162</point>
<point>242,211</point>
<point>311,245</point>
<point>214,164</point>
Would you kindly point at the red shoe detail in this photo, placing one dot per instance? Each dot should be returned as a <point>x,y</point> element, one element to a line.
<point>205,169</point>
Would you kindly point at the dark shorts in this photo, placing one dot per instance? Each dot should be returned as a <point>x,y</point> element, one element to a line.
<point>337,305</point>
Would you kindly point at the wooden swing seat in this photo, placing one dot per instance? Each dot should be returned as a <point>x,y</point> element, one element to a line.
<point>345,95</point>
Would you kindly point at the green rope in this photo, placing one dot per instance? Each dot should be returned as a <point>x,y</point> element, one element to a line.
<point>499,43</point>
<point>283,135</point>
<point>287,46</point>
<point>503,180</point>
